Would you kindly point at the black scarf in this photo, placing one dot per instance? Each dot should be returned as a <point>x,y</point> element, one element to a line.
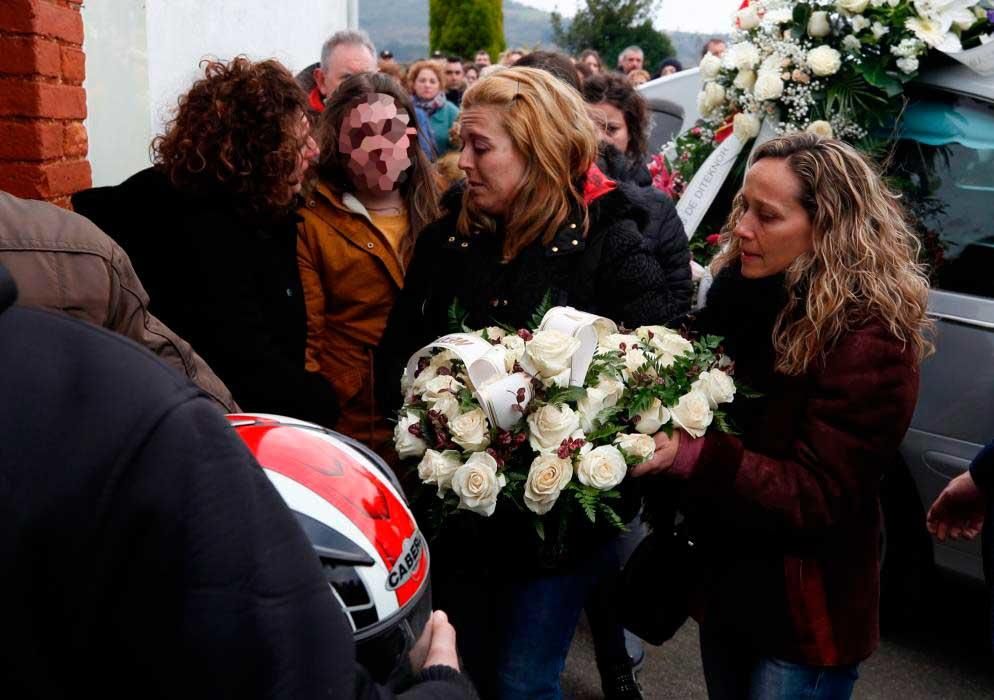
<point>744,312</point>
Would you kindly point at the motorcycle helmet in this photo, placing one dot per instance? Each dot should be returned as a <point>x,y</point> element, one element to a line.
<point>352,508</point>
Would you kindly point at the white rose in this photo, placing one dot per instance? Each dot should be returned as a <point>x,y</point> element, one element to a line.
<point>550,425</point>
<point>745,126</point>
<point>547,477</point>
<point>442,359</point>
<point>613,342</point>
<point>634,362</point>
<point>447,405</point>
<point>824,60</point>
<point>747,18</point>
<point>515,347</point>
<point>745,80</point>
<point>470,430</point>
<point>821,128</point>
<point>670,345</point>
<point>438,468</point>
<point>653,418</point>
<point>774,63</point>
<point>853,6</point>
<point>420,382</point>
<point>406,444</point>
<point>551,352</point>
<point>851,43</point>
<point>716,385</point>
<point>818,25</point>
<point>693,413</point>
<point>859,23</point>
<point>745,55</point>
<point>596,399</point>
<point>494,333</point>
<point>907,65</point>
<point>636,445</point>
<point>603,468</point>
<point>477,484</point>
<point>441,385</point>
<point>709,67</point>
<point>710,98</point>
<point>768,86</point>
<point>879,30</point>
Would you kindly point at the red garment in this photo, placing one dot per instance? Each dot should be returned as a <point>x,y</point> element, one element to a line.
<point>315,100</point>
<point>596,184</point>
<point>803,484</point>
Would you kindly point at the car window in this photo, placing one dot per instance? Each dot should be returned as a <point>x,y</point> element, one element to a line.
<point>944,162</point>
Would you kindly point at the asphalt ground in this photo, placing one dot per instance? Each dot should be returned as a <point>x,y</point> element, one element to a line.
<point>942,652</point>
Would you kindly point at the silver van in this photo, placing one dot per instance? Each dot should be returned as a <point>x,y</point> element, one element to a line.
<point>944,153</point>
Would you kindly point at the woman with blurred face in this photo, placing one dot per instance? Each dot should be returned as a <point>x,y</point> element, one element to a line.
<point>425,79</point>
<point>536,217</point>
<point>821,305</point>
<point>374,194</point>
<point>471,73</point>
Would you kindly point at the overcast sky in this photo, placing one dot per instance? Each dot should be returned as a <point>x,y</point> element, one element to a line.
<point>705,16</point>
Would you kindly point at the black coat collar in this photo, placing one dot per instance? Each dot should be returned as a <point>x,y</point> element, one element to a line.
<point>569,240</point>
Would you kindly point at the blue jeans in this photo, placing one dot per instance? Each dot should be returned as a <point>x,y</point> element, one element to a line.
<point>514,632</point>
<point>541,617</point>
<point>733,673</point>
<point>773,679</point>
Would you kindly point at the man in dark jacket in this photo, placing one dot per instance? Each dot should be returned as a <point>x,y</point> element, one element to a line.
<point>145,552</point>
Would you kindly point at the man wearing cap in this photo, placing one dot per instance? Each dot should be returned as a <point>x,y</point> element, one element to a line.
<point>386,57</point>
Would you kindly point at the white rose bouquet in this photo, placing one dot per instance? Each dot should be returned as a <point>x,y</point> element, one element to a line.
<point>551,427</point>
<point>835,68</point>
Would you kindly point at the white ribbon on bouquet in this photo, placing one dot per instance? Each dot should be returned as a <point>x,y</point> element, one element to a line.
<point>586,328</point>
<point>494,388</point>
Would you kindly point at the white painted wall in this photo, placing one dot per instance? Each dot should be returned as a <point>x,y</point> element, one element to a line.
<point>142,54</point>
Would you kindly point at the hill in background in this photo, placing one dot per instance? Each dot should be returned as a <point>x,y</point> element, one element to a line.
<point>402,27</point>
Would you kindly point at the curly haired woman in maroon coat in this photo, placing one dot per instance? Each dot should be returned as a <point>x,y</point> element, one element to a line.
<point>822,306</point>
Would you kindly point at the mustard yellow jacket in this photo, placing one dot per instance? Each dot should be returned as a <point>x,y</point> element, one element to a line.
<point>351,275</point>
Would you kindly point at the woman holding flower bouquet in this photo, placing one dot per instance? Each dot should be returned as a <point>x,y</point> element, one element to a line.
<point>536,225</point>
<point>822,306</point>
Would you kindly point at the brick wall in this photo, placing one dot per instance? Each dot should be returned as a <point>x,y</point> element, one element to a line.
<point>43,142</point>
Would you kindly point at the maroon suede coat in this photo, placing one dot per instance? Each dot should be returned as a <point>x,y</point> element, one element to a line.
<point>792,505</point>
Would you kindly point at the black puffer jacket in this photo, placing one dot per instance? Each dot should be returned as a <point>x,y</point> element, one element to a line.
<point>656,217</point>
<point>609,273</point>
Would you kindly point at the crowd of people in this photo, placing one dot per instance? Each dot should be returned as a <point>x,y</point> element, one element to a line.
<point>299,239</point>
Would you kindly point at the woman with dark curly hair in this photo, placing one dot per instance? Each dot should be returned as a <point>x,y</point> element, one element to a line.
<point>211,230</point>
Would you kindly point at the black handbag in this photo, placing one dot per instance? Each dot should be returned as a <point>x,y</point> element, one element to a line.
<point>657,583</point>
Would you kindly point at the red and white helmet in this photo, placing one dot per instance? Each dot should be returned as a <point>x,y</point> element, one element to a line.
<point>353,510</point>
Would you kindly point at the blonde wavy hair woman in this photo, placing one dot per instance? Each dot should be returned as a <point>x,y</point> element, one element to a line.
<point>862,262</point>
<point>558,154</point>
<point>821,304</point>
<point>536,220</point>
